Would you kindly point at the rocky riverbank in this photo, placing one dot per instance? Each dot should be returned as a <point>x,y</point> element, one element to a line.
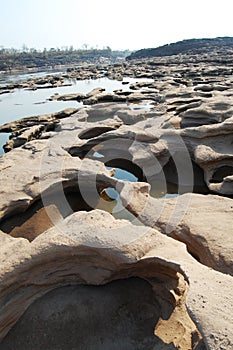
<point>174,134</point>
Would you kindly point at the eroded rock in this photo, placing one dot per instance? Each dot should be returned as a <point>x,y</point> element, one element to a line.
<point>143,253</point>
<point>174,135</point>
<point>194,219</point>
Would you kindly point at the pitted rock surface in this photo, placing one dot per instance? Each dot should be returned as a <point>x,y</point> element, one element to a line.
<point>62,251</point>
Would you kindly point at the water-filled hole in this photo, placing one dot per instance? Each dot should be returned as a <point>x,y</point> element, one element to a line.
<point>110,201</point>
<point>142,106</point>
<point>98,155</point>
<point>44,214</point>
<point>122,174</point>
<point>4,137</point>
<point>126,169</point>
<point>36,219</point>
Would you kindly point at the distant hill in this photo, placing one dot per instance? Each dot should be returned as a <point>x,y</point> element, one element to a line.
<point>190,46</point>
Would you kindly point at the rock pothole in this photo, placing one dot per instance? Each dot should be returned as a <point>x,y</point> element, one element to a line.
<point>123,314</point>
<point>120,315</point>
<point>181,146</point>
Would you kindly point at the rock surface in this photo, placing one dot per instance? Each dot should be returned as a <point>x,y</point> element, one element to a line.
<point>194,219</point>
<point>78,257</point>
<point>157,156</point>
<point>85,320</point>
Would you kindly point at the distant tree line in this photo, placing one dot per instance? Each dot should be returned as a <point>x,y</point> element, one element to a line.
<point>25,58</point>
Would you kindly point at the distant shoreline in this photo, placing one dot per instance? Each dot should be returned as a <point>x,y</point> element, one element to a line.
<point>12,61</point>
<point>25,70</point>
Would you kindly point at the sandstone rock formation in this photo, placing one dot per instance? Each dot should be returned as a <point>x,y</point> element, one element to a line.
<point>63,180</point>
<point>79,257</point>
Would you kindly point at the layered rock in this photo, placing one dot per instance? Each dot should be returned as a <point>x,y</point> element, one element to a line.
<point>80,258</point>
<point>60,176</point>
<point>194,219</point>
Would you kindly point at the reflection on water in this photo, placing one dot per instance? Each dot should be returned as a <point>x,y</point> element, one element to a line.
<point>171,195</point>
<point>123,175</point>
<point>3,139</point>
<point>110,201</point>
<point>7,79</point>
<point>24,103</point>
<point>145,105</point>
<point>97,155</point>
<point>164,189</point>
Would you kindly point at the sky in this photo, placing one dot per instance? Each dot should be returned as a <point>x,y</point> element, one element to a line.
<point>119,24</point>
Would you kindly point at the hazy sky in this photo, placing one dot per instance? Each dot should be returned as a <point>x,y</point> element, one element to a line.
<point>120,24</point>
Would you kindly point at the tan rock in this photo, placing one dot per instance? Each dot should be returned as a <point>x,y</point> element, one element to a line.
<point>194,219</point>
<point>53,259</point>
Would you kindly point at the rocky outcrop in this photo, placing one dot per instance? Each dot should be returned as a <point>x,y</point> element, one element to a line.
<point>131,192</point>
<point>185,218</point>
<point>30,128</point>
<point>50,193</point>
<point>49,81</point>
<point>147,254</point>
<point>46,119</point>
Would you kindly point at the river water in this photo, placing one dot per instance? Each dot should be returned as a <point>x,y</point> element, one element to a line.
<point>24,103</point>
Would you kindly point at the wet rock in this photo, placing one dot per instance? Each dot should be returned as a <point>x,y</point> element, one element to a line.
<point>24,136</point>
<point>94,92</point>
<point>68,97</point>
<point>46,119</point>
<point>5,92</point>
